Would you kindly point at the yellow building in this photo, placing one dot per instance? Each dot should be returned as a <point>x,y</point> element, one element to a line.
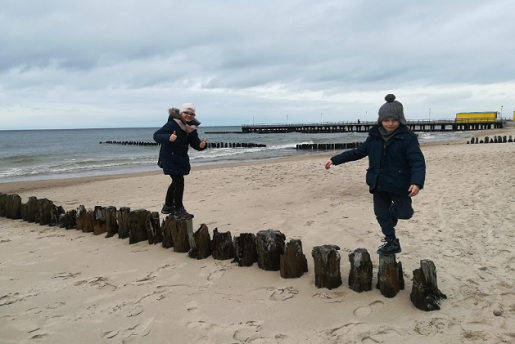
<point>477,117</point>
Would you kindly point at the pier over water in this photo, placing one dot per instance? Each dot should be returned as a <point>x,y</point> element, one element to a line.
<point>444,125</point>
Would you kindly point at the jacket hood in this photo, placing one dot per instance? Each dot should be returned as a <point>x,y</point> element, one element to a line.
<point>174,113</point>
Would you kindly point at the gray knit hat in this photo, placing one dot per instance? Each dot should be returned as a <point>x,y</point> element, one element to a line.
<point>391,109</point>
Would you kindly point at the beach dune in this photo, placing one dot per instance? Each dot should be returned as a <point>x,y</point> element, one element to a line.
<point>59,286</point>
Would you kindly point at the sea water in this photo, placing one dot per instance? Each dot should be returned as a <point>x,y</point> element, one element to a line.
<point>67,153</point>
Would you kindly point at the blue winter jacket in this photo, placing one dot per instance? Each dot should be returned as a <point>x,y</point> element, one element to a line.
<point>392,167</point>
<point>174,155</point>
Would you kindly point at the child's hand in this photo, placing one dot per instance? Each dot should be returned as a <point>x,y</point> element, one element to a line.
<point>203,143</point>
<point>328,164</point>
<point>413,189</point>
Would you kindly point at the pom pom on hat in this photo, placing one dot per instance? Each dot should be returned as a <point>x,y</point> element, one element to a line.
<point>389,98</point>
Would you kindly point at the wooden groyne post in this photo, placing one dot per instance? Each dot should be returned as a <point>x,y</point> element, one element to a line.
<point>360,275</point>
<point>270,247</point>
<point>390,279</point>
<point>425,294</point>
<point>293,262</point>
<point>327,266</point>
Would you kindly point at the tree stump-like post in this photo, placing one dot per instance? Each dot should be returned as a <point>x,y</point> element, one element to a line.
<point>180,235</point>
<point>111,222</point>
<point>270,247</point>
<point>222,246</point>
<point>245,249</point>
<point>203,242</point>
<point>68,220</point>
<point>390,279</point>
<point>15,205</point>
<point>99,223</point>
<point>89,222</point>
<point>45,208</point>
<point>123,216</point>
<point>360,275</point>
<point>81,217</point>
<point>55,213</point>
<point>3,199</point>
<point>154,229</point>
<point>425,294</point>
<point>327,266</point>
<point>138,226</point>
<point>7,206</point>
<point>166,228</point>
<point>293,262</point>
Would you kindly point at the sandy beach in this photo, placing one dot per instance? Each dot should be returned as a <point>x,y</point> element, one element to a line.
<point>65,286</point>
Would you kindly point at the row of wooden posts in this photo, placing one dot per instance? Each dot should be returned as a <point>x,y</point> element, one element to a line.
<point>487,139</point>
<point>209,144</point>
<point>268,247</point>
<point>328,146</point>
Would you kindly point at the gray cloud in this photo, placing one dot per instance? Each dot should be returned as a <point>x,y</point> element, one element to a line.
<point>263,59</point>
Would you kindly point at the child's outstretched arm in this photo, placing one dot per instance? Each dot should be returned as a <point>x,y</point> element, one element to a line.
<point>350,155</point>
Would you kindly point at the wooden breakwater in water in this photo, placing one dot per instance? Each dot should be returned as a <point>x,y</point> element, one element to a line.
<point>328,146</point>
<point>488,139</point>
<point>268,248</point>
<point>208,144</point>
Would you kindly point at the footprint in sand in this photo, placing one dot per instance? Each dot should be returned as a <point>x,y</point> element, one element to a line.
<point>277,339</point>
<point>365,311</point>
<point>330,297</point>
<point>191,307</point>
<point>388,335</point>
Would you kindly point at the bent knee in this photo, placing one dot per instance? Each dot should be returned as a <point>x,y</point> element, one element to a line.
<point>405,215</point>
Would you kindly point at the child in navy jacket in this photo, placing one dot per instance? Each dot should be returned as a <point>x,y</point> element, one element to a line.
<point>396,170</point>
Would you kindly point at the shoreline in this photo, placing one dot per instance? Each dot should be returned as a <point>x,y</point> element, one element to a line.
<point>29,185</point>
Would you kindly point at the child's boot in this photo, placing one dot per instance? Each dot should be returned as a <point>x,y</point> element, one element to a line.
<point>390,246</point>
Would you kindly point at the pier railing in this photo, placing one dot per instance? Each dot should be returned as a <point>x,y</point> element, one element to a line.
<point>346,126</point>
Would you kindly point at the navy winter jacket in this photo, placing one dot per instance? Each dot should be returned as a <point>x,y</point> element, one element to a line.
<point>393,167</point>
<point>174,155</point>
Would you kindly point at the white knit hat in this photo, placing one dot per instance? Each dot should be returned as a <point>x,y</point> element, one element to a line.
<point>187,107</point>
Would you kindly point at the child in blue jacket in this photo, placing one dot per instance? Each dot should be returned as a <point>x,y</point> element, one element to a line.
<point>396,171</point>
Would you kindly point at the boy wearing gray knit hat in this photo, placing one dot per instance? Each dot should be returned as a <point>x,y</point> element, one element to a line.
<point>396,170</point>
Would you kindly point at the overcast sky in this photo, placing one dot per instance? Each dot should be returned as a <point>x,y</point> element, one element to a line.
<point>90,64</point>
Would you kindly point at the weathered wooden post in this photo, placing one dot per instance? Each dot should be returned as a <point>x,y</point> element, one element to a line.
<point>245,250</point>
<point>138,226</point>
<point>89,221</point>
<point>425,294</point>
<point>32,210</point>
<point>327,266</point>
<point>270,247</point>
<point>99,221</point>
<point>68,220</point>
<point>111,222</point>
<point>180,237</point>
<point>293,262</point>
<point>390,277</point>
<point>360,275</point>
<point>203,242</point>
<point>45,208</point>
<point>166,228</point>
<point>81,217</point>
<point>3,198</point>
<point>123,216</point>
<point>222,246</point>
<point>14,202</point>
<point>55,213</point>
<point>154,233</point>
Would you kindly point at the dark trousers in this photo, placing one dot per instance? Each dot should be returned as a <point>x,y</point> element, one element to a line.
<point>175,191</point>
<point>386,205</point>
